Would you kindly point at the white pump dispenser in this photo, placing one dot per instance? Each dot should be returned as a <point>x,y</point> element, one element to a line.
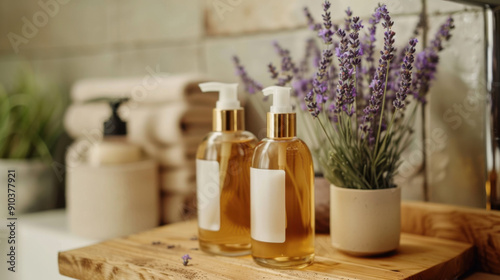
<point>228,114</point>
<point>281,99</point>
<point>228,97</point>
<point>281,118</point>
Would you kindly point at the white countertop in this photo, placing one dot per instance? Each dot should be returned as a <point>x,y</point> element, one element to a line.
<point>40,236</point>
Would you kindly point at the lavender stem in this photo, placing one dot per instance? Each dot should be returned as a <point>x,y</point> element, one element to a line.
<point>383,107</point>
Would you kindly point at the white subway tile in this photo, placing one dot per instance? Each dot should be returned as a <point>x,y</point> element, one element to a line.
<point>441,6</point>
<point>159,20</point>
<point>171,59</point>
<point>225,17</point>
<point>458,106</point>
<point>74,24</point>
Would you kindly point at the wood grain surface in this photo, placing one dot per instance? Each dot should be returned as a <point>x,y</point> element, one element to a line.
<point>475,226</point>
<point>135,257</point>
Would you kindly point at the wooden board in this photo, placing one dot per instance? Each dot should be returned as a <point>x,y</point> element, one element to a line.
<point>136,258</point>
<point>470,225</point>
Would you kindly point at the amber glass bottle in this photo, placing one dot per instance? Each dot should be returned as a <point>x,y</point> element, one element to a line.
<point>223,163</point>
<point>282,192</point>
<point>233,152</point>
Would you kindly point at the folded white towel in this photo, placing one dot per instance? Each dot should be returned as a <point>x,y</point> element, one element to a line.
<point>82,119</point>
<point>153,87</point>
<point>170,123</point>
<point>169,157</point>
<point>165,124</point>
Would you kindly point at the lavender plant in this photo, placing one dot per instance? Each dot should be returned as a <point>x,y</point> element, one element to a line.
<point>358,106</point>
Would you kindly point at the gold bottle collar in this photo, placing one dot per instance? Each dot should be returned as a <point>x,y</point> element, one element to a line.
<point>281,125</point>
<point>228,120</point>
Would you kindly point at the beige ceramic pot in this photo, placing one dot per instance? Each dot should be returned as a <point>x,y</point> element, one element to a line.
<point>365,222</point>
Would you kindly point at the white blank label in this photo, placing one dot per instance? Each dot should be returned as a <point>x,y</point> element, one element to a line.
<point>267,199</point>
<point>208,194</point>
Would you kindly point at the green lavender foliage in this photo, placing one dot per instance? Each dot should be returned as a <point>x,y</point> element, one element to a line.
<point>352,163</point>
<point>30,119</point>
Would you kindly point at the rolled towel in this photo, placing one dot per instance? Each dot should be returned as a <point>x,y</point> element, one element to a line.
<point>154,87</point>
<point>82,119</point>
<point>172,122</point>
<point>169,157</point>
<point>178,180</point>
<point>166,124</point>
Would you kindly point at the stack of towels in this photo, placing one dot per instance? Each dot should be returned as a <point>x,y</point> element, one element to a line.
<point>167,115</point>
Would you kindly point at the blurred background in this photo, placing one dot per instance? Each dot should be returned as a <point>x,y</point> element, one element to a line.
<point>63,53</point>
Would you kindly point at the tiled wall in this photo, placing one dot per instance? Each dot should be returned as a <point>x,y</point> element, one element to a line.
<point>75,39</point>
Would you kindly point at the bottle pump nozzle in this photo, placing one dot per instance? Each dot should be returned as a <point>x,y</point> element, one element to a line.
<point>228,114</point>
<point>281,99</point>
<point>228,98</point>
<point>281,121</point>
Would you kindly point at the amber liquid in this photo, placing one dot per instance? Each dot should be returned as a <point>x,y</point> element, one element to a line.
<point>293,156</point>
<point>234,153</point>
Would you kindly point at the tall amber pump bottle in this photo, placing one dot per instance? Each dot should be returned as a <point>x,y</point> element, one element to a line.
<point>282,191</point>
<point>223,164</point>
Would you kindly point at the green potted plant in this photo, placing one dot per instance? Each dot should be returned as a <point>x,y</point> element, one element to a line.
<point>362,118</point>
<point>30,126</point>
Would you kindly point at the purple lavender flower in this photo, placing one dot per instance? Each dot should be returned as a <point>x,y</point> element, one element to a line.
<point>405,81</point>
<point>421,24</point>
<point>272,70</point>
<point>320,85</point>
<point>310,20</point>
<point>312,107</point>
<point>250,85</point>
<point>288,68</point>
<point>394,78</point>
<point>316,56</point>
<point>426,67</point>
<point>355,51</point>
<point>286,60</point>
<point>339,88</point>
<point>301,87</point>
<point>378,83</point>
<point>369,42</point>
<point>348,58</point>
<point>310,47</point>
<point>326,32</point>
<point>332,81</point>
<point>348,19</point>
<point>319,88</point>
<point>342,53</point>
<point>427,60</point>
<point>443,34</point>
<point>185,259</point>
<point>279,50</point>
